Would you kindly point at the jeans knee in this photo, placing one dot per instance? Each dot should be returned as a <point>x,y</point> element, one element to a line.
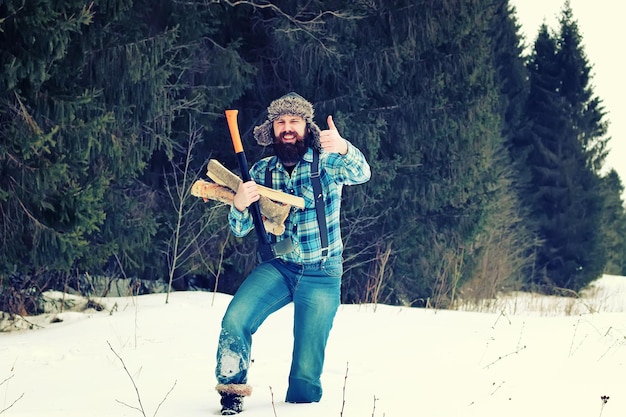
<point>232,358</point>
<point>231,324</point>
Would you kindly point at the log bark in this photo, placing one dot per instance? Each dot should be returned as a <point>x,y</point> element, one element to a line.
<point>274,213</point>
<point>221,175</point>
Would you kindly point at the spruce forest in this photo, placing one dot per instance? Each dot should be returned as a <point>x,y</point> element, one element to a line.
<point>486,159</point>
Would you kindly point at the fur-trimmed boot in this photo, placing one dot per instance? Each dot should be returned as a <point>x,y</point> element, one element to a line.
<point>232,397</point>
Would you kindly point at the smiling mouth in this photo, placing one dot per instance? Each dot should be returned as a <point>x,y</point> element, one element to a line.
<point>289,137</point>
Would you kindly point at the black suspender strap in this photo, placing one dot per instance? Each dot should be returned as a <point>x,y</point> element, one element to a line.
<point>319,202</point>
<point>268,177</point>
<point>269,183</point>
<point>320,210</point>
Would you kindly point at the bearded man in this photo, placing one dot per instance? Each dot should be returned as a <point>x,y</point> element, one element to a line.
<point>306,159</point>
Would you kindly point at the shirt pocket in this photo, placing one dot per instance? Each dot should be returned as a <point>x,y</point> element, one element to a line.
<point>308,195</point>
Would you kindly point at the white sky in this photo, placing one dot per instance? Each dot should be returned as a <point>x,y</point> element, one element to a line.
<point>600,23</point>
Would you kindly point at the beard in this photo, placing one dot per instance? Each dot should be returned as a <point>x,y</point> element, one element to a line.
<point>290,153</point>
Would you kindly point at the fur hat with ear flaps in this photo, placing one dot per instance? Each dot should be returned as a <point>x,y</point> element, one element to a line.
<point>293,104</point>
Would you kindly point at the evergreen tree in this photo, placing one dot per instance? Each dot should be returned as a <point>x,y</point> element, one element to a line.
<point>205,75</point>
<point>109,112</point>
<point>291,47</point>
<point>614,224</point>
<point>566,148</point>
<point>95,108</point>
<point>52,130</point>
<point>506,246</point>
<point>412,84</point>
<point>430,76</point>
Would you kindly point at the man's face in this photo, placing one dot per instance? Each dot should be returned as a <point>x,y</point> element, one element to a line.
<point>289,128</point>
<point>289,135</point>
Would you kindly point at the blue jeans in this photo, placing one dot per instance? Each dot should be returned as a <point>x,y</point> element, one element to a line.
<point>315,291</point>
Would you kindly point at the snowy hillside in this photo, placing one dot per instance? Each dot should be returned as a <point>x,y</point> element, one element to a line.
<point>521,356</point>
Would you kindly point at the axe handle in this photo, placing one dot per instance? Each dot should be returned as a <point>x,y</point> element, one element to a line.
<point>233,127</point>
<point>255,211</point>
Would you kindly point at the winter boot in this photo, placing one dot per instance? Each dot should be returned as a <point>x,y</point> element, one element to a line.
<point>232,397</point>
<point>231,404</point>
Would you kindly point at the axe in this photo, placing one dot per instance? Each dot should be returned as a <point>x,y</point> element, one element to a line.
<point>266,251</point>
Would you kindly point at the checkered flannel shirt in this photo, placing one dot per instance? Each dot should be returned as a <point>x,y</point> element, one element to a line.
<point>301,226</point>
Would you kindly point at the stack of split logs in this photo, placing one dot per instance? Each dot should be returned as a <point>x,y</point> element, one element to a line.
<point>275,205</point>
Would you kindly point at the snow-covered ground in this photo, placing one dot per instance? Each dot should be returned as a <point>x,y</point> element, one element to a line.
<point>523,355</point>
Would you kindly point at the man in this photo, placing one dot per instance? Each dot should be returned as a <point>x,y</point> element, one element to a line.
<point>310,275</point>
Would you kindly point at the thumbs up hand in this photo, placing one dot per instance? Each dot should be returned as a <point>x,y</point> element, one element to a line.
<point>331,140</point>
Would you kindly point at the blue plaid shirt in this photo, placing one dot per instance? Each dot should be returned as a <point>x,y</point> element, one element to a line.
<point>301,226</point>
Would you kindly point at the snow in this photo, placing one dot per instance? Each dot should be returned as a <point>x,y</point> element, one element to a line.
<point>520,355</point>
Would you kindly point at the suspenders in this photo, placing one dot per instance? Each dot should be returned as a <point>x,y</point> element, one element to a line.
<point>319,202</point>
<point>319,199</point>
